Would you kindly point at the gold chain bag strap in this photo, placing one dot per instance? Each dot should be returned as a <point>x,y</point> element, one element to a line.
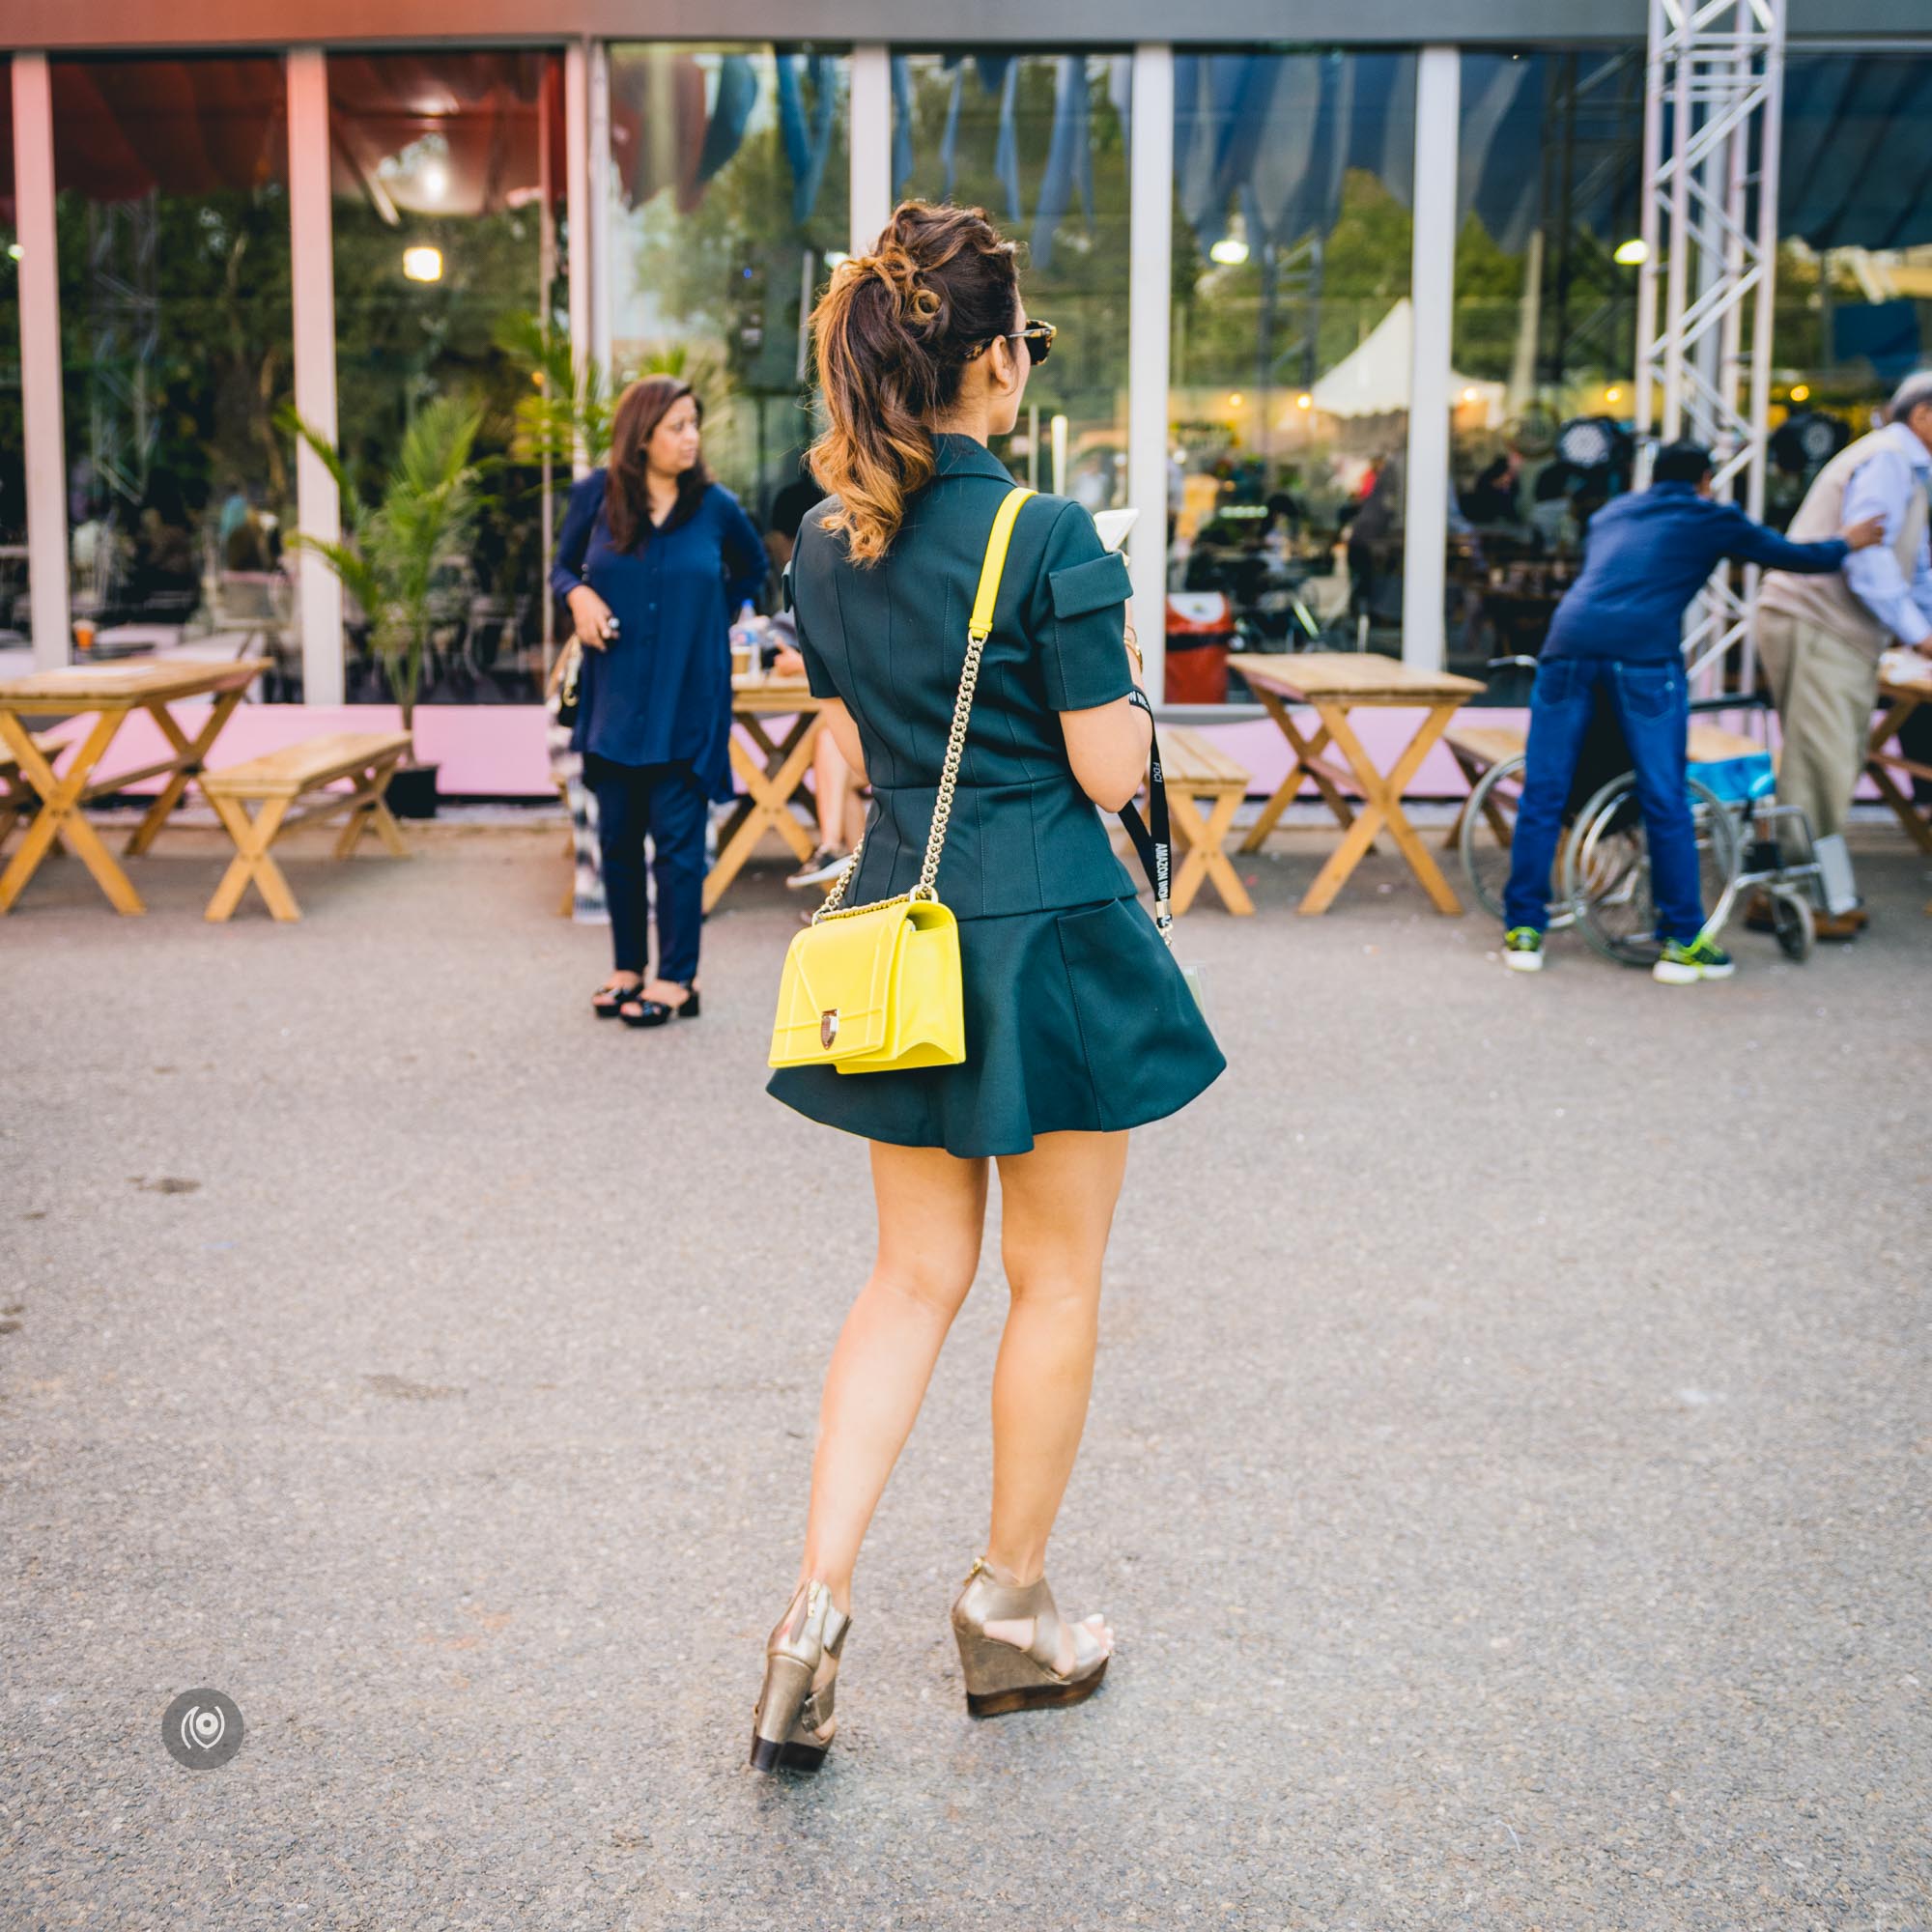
<point>871,988</point>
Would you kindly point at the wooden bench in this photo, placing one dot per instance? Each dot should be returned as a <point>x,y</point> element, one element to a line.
<point>1475,748</point>
<point>1712,745</point>
<point>1196,770</point>
<point>278,782</point>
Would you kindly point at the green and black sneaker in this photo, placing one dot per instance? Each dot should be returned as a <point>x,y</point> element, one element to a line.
<point>1522,950</point>
<point>1682,965</point>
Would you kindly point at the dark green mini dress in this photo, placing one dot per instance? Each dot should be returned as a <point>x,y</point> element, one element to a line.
<point>1077,1018</point>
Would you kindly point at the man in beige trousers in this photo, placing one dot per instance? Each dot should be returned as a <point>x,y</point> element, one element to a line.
<point>1819,637</point>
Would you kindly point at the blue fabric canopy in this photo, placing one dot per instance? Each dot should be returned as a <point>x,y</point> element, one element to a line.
<point>1856,149</point>
<point>807,145</point>
<point>1855,170</point>
<point>1277,134</point>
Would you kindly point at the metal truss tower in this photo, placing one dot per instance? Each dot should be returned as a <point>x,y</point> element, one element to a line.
<point>1713,95</point>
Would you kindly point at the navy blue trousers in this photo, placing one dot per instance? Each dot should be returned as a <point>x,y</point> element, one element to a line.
<point>666,802</point>
<point>1652,704</point>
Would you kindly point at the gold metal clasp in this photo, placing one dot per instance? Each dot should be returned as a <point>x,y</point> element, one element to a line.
<point>828,1027</point>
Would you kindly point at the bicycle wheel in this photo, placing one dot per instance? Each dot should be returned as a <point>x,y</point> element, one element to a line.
<point>1607,869</point>
<point>1486,859</point>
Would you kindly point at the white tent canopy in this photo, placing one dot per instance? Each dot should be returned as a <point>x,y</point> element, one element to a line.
<point>1373,379</point>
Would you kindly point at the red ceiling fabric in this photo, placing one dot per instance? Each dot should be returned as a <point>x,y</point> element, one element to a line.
<point>123,129</point>
<point>480,112</point>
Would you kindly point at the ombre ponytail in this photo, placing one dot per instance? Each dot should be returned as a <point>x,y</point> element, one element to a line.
<point>894,333</point>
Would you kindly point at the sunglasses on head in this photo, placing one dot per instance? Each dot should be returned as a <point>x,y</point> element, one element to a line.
<point>1038,339</point>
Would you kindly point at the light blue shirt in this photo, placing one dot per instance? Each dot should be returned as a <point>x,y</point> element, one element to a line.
<point>1882,486</point>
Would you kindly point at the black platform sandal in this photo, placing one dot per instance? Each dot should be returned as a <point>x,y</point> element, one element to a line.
<point>655,1013</point>
<point>605,1009</point>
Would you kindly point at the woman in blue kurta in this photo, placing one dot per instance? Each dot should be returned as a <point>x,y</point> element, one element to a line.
<point>653,558</point>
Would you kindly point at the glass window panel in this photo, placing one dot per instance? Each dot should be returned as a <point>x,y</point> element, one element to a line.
<point>173,235</point>
<point>1292,331</point>
<point>448,174</point>
<point>1039,141</point>
<point>1854,296</point>
<point>1544,339</point>
<point>13,620</point>
<point>731,178</point>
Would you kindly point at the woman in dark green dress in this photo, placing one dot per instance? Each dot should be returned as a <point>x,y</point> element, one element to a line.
<point>1078,1023</point>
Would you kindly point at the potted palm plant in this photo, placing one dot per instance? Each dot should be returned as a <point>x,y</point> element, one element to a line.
<point>394,551</point>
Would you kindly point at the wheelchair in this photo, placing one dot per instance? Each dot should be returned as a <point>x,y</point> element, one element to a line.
<point>1602,869</point>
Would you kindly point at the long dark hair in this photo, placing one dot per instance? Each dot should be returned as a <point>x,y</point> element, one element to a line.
<point>895,332</point>
<point>627,502</point>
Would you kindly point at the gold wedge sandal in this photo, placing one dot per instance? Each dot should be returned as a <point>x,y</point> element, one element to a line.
<point>1002,1676</point>
<point>792,1725</point>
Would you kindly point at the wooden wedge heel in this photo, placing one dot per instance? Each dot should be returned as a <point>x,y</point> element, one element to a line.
<point>1002,1676</point>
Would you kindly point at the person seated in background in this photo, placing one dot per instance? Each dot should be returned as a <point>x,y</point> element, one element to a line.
<point>834,793</point>
<point>1491,498</point>
<point>1617,636</point>
<point>790,507</point>
<point>831,786</point>
<point>244,545</point>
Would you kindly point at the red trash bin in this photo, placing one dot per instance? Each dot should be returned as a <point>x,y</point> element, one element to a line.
<point>1199,633</point>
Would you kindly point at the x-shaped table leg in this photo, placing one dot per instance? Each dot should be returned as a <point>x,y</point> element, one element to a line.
<point>61,816</point>
<point>1880,760</point>
<point>188,756</point>
<point>768,795</point>
<point>1305,758</point>
<point>1204,857</point>
<point>1382,796</point>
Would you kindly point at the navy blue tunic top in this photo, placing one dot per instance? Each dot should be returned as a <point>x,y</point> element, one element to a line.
<point>661,692</point>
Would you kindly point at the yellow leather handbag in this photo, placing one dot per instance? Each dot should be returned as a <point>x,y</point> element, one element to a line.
<point>871,988</point>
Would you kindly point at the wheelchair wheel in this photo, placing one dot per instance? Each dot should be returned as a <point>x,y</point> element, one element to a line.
<point>1607,870</point>
<point>1486,859</point>
<point>1795,923</point>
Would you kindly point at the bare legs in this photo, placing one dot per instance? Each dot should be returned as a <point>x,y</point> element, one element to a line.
<point>931,1212</point>
<point>1057,1209</point>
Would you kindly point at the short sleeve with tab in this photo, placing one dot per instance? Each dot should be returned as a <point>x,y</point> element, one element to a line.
<point>1079,616</point>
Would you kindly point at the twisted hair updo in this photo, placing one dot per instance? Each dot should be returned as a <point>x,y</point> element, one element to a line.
<point>895,332</point>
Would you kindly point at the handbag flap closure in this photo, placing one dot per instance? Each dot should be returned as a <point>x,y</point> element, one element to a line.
<point>836,997</point>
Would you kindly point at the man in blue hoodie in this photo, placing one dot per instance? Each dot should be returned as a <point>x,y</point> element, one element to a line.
<point>1617,636</point>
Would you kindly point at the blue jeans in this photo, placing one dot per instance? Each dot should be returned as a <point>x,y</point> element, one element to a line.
<point>667,802</point>
<point>1652,704</point>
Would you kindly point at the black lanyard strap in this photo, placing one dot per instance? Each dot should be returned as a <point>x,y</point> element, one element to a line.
<point>1155,846</point>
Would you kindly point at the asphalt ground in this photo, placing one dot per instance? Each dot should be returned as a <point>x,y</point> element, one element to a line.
<point>1507,1471</point>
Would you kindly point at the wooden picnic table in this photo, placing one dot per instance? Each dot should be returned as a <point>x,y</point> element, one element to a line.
<point>773,770</point>
<point>1332,684</point>
<point>112,692</point>
<point>1885,755</point>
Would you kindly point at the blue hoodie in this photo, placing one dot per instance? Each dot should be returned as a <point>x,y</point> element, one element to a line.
<point>1644,558</point>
